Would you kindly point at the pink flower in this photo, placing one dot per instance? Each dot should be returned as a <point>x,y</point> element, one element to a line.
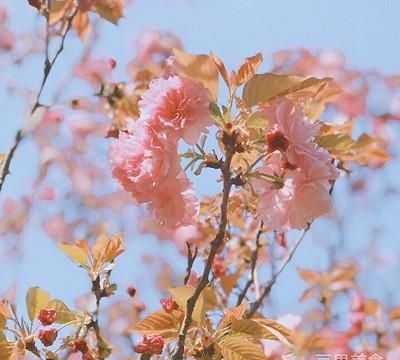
<point>153,42</point>
<point>176,106</point>
<point>174,202</point>
<point>292,134</point>
<point>295,200</point>
<point>141,160</point>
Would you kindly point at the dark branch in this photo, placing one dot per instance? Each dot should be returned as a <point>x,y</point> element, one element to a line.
<point>215,244</point>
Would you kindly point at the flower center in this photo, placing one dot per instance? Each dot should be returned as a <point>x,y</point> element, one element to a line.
<point>276,140</point>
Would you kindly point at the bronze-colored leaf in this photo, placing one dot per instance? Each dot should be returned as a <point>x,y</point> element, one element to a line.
<point>246,70</point>
<point>198,67</point>
<point>282,333</point>
<point>309,276</point>
<point>57,10</point>
<point>110,10</point>
<point>159,323</point>
<point>221,68</point>
<point>237,348</point>
<point>81,24</point>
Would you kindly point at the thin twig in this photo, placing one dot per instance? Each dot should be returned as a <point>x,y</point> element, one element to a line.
<point>253,262</point>
<point>48,66</point>
<point>191,257</point>
<point>215,244</point>
<point>267,289</point>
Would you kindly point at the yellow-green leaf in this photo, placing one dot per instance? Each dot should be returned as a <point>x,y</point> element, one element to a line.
<point>256,121</point>
<point>74,252</point>
<point>198,67</point>
<point>36,299</point>
<point>64,314</point>
<point>182,294</point>
<point>263,87</point>
<point>237,348</point>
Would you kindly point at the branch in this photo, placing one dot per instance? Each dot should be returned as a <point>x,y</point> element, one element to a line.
<point>215,244</point>
<point>267,289</point>
<point>253,262</point>
<point>191,257</point>
<point>48,66</point>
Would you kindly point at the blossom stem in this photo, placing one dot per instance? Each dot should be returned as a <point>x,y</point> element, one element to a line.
<point>215,244</point>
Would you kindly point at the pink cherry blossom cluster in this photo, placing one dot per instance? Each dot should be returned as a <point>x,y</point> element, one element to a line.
<point>298,172</point>
<point>145,160</point>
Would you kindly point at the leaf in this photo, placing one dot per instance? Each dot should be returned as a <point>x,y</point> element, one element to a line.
<point>182,294</point>
<point>282,333</point>
<point>232,314</point>
<point>57,10</point>
<point>210,298</point>
<point>198,67</point>
<point>6,350</point>
<point>365,151</point>
<point>221,68</point>
<point>75,253</point>
<point>106,249</point>
<point>36,299</point>
<point>309,276</point>
<point>81,24</point>
<point>159,323</point>
<point>254,329</point>
<point>110,10</point>
<point>64,314</point>
<point>229,281</point>
<point>263,87</point>
<point>256,121</point>
<point>4,309</point>
<point>240,349</point>
<point>246,70</point>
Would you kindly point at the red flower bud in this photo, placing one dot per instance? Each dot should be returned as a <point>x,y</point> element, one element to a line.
<point>150,345</point>
<point>79,345</point>
<point>35,3</point>
<point>47,336</point>
<point>276,140</point>
<point>112,63</point>
<point>47,316</point>
<point>131,291</point>
<point>218,267</point>
<point>168,304</point>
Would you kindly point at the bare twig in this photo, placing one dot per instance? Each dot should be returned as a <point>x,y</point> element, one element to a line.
<point>267,289</point>
<point>48,66</point>
<point>253,262</point>
<point>191,257</point>
<point>215,244</point>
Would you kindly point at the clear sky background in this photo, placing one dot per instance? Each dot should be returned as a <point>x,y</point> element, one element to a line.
<point>366,31</point>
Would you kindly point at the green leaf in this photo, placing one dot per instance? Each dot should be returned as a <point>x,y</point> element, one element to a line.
<point>256,121</point>
<point>75,253</point>
<point>263,87</point>
<point>36,299</point>
<point>64,314</point>
<point>182,294</point>
<point>237,348</point>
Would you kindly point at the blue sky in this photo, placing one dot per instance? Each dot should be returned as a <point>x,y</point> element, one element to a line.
<point>367,32</point>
